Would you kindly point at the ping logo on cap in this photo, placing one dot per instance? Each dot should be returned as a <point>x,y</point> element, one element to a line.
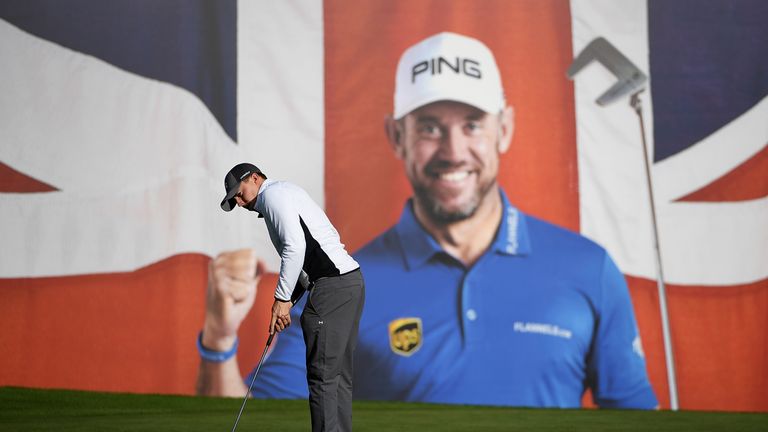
<point>437,65</point>
<point>447,67</point>
<point>405,336</point>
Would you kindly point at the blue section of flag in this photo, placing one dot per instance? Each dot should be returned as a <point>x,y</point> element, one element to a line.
<point>189,43</point>
<point>709,64</point>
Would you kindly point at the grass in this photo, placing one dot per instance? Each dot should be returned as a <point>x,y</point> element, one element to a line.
<point>63,410</point>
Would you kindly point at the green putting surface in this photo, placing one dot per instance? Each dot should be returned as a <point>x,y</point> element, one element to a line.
<point>27,410</point>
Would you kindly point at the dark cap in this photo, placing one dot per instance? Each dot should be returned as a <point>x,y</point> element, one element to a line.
<point>232,183</point>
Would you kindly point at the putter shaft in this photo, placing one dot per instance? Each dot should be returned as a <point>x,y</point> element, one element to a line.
<point>248,393</point>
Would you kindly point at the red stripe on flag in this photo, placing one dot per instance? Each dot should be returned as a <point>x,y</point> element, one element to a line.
<point>16,182</point>
<point>719,343</point>
<point>124,332</point>
<point>747,181</point>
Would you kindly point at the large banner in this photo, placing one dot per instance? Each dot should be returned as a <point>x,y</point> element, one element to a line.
<point>119,120</point>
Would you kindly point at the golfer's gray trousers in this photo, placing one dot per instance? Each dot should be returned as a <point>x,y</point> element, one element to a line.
<point>330,321</point>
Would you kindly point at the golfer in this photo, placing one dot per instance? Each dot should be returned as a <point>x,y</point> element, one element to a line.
<point>311,254</point>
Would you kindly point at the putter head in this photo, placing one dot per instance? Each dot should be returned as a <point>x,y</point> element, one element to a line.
<point>630,78</point>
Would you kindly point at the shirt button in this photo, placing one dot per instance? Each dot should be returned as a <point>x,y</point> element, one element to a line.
<point>471,314</point>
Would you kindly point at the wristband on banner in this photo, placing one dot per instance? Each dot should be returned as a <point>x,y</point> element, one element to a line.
<point>215,356</point>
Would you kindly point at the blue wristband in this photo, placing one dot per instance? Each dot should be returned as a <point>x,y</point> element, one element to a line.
<point>215,356</point>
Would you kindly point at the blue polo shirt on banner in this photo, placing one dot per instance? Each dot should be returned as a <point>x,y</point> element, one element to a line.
<point>543,314</point>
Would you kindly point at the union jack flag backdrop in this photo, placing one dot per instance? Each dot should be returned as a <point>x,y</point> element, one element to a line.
<point>118,120</point>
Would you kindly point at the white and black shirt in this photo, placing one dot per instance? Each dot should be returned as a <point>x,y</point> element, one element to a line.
<point>302,234</point>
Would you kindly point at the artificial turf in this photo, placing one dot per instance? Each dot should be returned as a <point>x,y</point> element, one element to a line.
<point>29,410</point>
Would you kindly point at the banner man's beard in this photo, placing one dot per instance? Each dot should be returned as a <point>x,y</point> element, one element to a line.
<point>438,213</point>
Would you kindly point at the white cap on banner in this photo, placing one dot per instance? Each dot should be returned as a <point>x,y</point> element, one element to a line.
<point>448,66</point>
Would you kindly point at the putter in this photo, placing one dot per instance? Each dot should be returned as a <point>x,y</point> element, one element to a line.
<point>631,80</point>
<point>264,354</point>
<point>298,292</point>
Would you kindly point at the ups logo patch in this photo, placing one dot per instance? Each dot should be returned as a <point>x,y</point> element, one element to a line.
<point>405,336</point>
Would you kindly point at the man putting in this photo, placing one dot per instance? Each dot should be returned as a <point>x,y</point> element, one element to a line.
<point>311,254</point>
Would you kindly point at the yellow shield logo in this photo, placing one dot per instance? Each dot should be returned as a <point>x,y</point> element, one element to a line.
<point>405,336</point>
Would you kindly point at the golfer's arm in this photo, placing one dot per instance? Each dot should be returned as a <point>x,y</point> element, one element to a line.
<point>220,379</point>
<point>285,219</point>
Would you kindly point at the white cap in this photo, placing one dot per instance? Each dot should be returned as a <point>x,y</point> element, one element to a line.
<point>448,66</point>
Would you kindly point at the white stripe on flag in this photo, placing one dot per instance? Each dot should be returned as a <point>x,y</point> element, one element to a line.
<point>139,165</point>
<point>701,243</point>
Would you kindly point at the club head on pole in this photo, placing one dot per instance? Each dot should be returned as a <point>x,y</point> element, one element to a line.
<point>630,79</point>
